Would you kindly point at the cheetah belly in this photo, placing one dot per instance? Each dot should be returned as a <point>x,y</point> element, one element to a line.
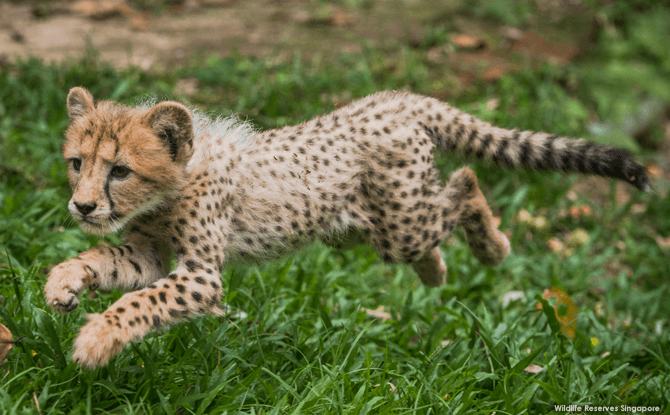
<point>267,242</point>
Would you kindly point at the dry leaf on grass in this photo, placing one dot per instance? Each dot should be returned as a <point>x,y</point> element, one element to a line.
<point>580,210</point>
<point>663,243</point>
<point>510,296</point>
<point>578,238</point>
<point>533,368</point>
<point>393,389</point>
<point>6,341</point>
<point>565,308</point>
<point>555,245</point>
<point>378,313</point>
<point>467,42</point>
<point>654,170</point>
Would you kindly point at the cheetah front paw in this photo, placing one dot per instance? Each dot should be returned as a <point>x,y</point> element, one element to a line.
<point>97,343</point>
<point>66,282</point>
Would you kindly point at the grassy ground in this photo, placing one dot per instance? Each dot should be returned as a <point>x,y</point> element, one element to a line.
<point>308,342</point>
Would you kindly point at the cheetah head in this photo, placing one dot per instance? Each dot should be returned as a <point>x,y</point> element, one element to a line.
<point>123,161</point>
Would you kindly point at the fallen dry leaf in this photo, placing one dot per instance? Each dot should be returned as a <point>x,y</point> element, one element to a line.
<point>6,341</point>
<point>565,308</point>
<point>388,383</point>
<point>663,243</point>
<point>533,368</point>
<point>540,223</point>
<point>378,313</point>
<point>638,208</point>
<point>580,210</point>
<point>654,170</point>
<point>571,195</point>
<point>467,42</point>
<point>492,104</point>
<point>511,33</point>
<point>555,245</point>
<point>579,237</point>
<point>524,217</point>
<point>510,296</point>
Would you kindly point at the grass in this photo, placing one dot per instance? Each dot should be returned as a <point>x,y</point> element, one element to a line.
<point>305,343</point>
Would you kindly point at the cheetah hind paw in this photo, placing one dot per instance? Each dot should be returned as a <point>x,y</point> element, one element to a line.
<point>431,268</point>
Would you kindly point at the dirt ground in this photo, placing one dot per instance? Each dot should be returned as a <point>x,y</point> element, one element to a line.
<point>124,36</point>
<point>268,29</point>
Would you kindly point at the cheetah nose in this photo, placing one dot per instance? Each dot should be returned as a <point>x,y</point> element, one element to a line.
<point>86,208</point>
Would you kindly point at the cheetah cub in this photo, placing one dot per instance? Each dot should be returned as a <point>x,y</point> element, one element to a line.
<point>212,191</point>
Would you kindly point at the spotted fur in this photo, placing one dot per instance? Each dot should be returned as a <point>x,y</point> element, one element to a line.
<point>208,192</point>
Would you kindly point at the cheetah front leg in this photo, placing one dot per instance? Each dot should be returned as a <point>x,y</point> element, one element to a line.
<point>191,290</point>
<point>136,264</point>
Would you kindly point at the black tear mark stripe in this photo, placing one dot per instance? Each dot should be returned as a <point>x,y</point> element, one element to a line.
<point>135,265</point>
<point>109,196</point>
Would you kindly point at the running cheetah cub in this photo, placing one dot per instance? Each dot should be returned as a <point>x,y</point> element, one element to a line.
<point>210,192</point>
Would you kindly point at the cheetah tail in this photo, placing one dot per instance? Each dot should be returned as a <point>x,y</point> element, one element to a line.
<point>541,151</point>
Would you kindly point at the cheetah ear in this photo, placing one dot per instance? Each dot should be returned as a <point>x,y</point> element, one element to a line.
<point>79,102</point>
<point>173,124</point>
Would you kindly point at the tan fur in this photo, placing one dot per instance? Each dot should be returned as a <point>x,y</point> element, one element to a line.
<point>211,191</point>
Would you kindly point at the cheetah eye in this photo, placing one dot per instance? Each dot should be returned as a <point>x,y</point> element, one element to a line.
<point>76,164</point>
<point>120,172</point>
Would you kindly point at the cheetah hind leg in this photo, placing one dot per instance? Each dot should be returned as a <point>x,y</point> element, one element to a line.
<point>431,268</point>
<point>488,244</point>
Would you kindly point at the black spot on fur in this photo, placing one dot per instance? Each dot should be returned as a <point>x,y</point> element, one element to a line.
<point>196,296</point>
